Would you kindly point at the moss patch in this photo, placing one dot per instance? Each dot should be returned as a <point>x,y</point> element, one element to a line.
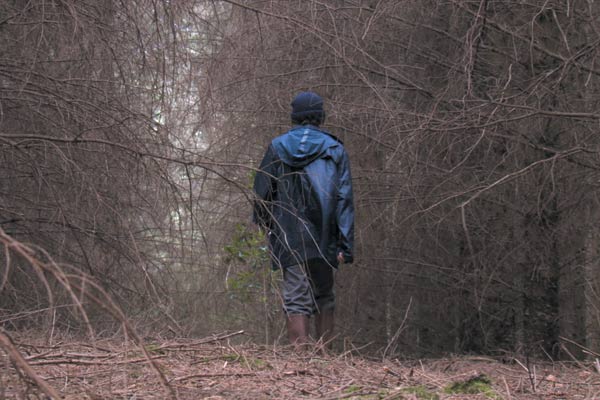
<point>352,389</point>
<point>479,384</point>
<point>421,393</point>
<point>154,348</point>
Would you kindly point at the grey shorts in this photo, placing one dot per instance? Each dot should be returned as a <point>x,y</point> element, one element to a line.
<point>308,288</point>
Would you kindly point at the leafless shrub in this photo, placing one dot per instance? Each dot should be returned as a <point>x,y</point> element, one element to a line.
<point>129,132</point>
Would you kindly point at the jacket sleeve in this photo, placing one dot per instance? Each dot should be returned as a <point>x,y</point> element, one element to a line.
<point>265,190</point>
<point>345,210</point>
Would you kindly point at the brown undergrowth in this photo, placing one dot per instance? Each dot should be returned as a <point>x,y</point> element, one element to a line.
<point>213,368</point>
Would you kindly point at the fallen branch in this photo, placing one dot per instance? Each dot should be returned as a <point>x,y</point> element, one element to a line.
<point>583,348</point>
<point>88,362</point>
<point>75,282</point>
<point>184,378</point>
<point>19,362</point>
<point>216,338</point>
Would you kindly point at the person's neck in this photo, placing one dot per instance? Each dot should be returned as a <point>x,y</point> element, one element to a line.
<point>296,125</point>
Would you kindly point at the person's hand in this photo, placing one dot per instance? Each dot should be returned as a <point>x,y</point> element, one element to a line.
<point>340,257</point>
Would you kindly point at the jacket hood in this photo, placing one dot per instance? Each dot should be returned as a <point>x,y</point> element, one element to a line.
<point>301,145</point>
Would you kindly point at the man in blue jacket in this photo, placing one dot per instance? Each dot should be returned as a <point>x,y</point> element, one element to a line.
<point>304,202</point>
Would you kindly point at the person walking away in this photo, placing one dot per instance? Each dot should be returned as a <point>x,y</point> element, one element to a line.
<point>304,202</point>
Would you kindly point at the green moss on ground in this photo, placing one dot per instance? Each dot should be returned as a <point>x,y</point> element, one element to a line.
<point>479,384</point>
<point>421,393</point>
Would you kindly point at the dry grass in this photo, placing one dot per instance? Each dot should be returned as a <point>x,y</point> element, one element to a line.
<point>211,368</point>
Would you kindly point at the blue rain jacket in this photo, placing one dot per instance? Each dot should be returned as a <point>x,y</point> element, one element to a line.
<point>304,198</point>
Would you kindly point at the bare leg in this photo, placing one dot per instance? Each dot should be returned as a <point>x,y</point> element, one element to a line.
<point>297,327</point>
<point>324,322</point>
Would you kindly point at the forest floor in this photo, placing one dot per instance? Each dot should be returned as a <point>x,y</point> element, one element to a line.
<point>212,368</point>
